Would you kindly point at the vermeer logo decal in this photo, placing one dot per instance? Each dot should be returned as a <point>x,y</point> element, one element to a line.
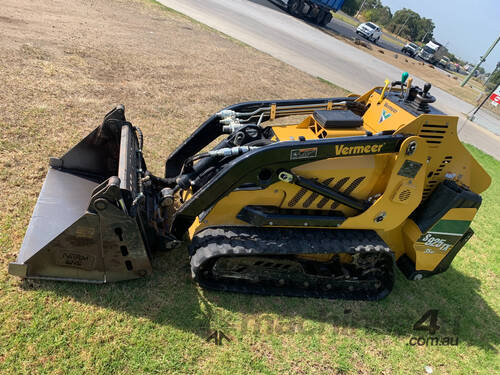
<point>384,116</point>
<point>357,150</point>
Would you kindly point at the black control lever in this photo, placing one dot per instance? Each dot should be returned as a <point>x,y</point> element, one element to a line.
<point>423,99</point>
<point>427,87</point>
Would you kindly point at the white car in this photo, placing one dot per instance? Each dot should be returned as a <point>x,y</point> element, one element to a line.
<point>370,31</point>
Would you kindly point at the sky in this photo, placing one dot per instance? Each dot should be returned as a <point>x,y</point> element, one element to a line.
<point>468,27</point>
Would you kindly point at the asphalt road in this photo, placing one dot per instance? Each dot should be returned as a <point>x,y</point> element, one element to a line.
<point>349,31</point>
<point>267,28</point>
<point>337,26</point>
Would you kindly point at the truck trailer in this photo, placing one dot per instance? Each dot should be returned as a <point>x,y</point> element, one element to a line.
<point>432,52</point>
<point>315,11</point>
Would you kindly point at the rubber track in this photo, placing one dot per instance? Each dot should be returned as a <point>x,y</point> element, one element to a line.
<point>212,243</point>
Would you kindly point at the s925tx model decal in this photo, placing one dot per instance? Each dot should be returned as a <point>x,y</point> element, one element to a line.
<point>444,234</point>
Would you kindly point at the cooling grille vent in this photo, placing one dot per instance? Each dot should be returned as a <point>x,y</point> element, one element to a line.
<point>404,195</point>
<point>297,197</point>
<point>435,177</point>
<point>349,190</point>
<point>433,134</point>
<point>311,197</point>
<point>338,185</point>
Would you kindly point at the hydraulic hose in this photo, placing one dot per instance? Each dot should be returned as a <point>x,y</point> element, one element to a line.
<point>210,158</point>
<point>140,186</point>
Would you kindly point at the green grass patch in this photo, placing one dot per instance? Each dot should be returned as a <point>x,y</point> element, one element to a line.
<point>160,325</point>
<point>393,40</point>
<point>345,18</point>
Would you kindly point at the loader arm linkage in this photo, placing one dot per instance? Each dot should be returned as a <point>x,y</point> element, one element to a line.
<point>319,208</point>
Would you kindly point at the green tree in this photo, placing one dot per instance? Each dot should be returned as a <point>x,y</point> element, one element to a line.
<point>410,25</point>
<point>381,16</point>
<point>494,80</point>
<point>350,7</point>
<point>372,4</point>
<point>425,30</point>
<point>405,22</point>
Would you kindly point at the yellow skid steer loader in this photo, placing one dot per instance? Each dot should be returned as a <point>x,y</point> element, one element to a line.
<point>321,208</point>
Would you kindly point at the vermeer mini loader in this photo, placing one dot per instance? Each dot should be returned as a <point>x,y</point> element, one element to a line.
<point>322,208</point>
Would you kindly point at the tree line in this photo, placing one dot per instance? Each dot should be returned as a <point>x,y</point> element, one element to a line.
<point>494,79</point>
<point>404,22</point>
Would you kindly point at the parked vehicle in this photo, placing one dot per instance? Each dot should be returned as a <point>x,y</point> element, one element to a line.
<point>432,52</point>
<point>445,62</point>
<point>411,49</point>
<point>315,11</point>
<point>370,31</point>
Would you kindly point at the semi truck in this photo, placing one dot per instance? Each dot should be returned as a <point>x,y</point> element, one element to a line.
<point>432,52</point>
<point>315,11</point>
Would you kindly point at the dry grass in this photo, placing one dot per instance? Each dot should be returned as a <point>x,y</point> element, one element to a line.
<point>63,64</point>
<point>488,106</point>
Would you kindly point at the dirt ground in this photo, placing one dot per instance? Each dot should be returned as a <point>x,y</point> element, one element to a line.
<point>61,71</point>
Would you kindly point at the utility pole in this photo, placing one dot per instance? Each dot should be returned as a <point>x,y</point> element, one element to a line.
<point>481,60</point>
<point>424,36</point>
<point>403,25</point>
<point>359,10</point>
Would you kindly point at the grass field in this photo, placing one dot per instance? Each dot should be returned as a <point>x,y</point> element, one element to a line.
<point>63,64</point>
<point>345,18</point>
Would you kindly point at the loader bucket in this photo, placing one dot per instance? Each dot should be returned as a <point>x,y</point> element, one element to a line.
<point>82,228</point>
